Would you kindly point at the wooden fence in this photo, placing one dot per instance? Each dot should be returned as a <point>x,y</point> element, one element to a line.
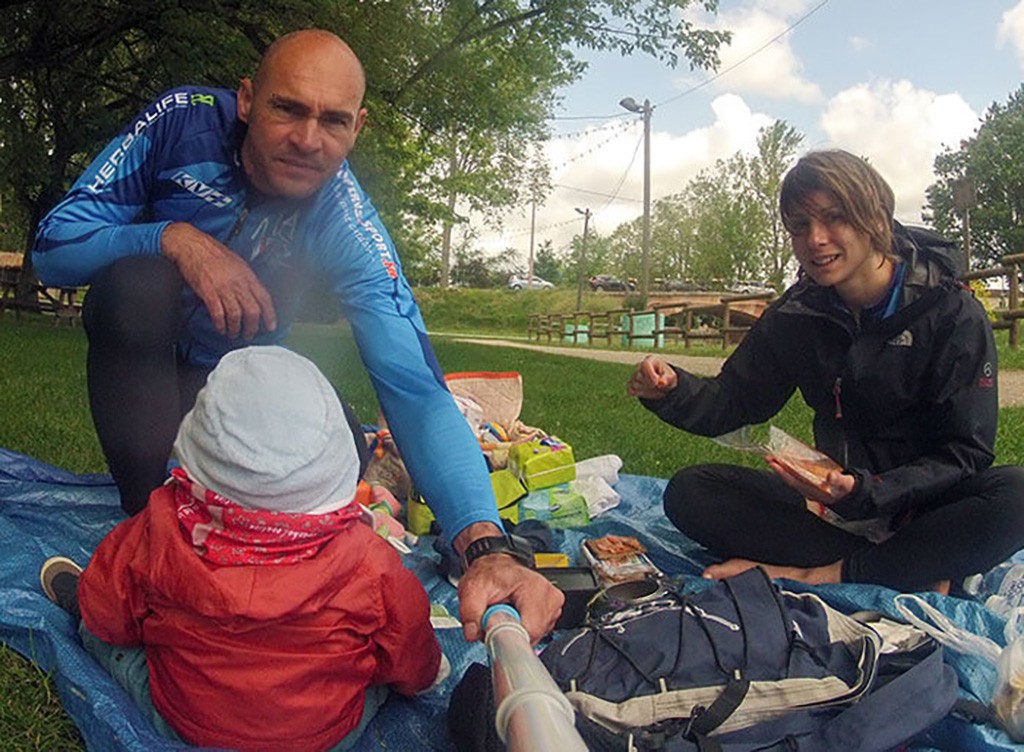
<point>1008,318</point>
<point>715,322</point>
<point>654,326</point>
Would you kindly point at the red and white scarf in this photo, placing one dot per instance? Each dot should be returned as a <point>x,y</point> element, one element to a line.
<point>223,532</point>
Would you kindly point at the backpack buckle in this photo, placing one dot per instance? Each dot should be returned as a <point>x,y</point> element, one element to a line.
<point>695,712</point>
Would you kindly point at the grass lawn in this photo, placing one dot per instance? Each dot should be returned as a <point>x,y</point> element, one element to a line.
<point>45,415</point>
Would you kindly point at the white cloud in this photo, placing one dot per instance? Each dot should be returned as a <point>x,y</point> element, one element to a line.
<point>900,129</point>
<point>859,44</point>
<point>768,68</point>
<point>598,160</point>
<point>1011,30</point>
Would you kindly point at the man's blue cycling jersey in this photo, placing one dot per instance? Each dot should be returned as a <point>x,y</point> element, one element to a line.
<point>178,161</point>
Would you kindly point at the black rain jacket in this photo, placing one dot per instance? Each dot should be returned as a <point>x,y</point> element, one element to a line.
<point>907,404</point>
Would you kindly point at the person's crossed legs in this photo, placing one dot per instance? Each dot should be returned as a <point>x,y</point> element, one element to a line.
<point>751,517</point>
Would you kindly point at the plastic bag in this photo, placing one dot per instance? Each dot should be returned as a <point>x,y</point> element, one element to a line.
<point>802,460</point>
<point>808,464</point>
<point>1008,698</point>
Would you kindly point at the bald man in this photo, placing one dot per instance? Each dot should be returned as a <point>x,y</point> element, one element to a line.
<point>199,227</point>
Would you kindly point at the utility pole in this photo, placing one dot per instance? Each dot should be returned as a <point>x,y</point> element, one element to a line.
<point>533,225</point>
<point>582,257</point>
<point>645,262</point>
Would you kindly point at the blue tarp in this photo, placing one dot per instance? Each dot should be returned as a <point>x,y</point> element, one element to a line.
<point>45,511</point>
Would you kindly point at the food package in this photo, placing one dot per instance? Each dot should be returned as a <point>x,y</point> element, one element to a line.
<point>542,463</point>
<point>559,506</point>
<point>802,460</point>
<point>617,558</point>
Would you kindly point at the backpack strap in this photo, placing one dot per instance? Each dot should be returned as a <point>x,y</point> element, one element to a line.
<point>706,721</point>
<point>756,588</point>
<point>891,714</point>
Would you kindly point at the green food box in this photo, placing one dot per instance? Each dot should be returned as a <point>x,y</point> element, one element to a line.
<point>542,463</point>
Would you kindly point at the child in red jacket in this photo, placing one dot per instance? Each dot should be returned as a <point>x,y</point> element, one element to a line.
<point>269,619</point>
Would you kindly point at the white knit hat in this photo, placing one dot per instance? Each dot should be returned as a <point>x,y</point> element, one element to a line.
<point>268,432</point>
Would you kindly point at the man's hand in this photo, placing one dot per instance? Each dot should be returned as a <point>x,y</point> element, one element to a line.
<point>235,298</point>
<point>499,578</point>
<point>837,485</point>
<point>653,378</point>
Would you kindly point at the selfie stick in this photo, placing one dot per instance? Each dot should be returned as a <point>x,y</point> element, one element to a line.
<point>532,713</point>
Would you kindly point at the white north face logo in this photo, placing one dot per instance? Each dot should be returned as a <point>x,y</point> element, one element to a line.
<point>903,339</point>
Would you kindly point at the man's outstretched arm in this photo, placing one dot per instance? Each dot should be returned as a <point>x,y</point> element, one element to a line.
<point>436,443</point>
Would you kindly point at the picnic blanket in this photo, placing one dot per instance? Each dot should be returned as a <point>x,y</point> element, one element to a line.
<point>45,511</point>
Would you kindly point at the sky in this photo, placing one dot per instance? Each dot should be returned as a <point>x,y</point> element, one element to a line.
<point>895,81</point>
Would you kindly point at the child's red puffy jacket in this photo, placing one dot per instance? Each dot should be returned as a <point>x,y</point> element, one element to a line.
<point>260,657</point>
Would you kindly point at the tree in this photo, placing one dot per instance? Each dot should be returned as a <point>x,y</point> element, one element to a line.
<point>474,269</point>
<point>777,146</point>
<point>673,239</point>
<point>546,265</point>
<point>446,80</point>
<point>72,72</point>
<point>994,161</point>
<point>725,224</point>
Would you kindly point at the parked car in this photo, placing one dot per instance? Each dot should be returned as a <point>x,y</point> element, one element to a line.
<point>746,286</point>
<point>520,282</point>
<point>681,285</point>
<point>601,282</point>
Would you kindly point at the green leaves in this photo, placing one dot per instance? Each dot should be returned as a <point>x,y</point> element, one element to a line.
<point>993,160</point>
<point>723,226</point>
<point>459,91</point>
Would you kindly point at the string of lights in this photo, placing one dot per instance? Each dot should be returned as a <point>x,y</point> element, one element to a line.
<point>613,133</point>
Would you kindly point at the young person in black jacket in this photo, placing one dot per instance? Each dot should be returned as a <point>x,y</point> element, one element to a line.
<point>897,360</point>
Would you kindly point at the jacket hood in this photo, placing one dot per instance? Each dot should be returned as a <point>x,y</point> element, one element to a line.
<point>261,593</point>
<point>930,256</point>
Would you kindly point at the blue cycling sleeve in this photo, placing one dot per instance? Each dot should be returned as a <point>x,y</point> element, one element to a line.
<point>93,225</point>
<point>437,445</point>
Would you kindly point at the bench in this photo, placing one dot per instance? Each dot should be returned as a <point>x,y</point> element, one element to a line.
<point>62,302</point>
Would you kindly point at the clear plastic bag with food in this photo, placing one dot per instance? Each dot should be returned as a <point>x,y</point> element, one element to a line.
<point>803,461</point>
<point>809,464</point>
<point>1008,699</point>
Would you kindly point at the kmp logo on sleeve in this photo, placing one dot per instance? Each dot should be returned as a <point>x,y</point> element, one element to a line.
<point>201,189</point>
<point>987,379</point>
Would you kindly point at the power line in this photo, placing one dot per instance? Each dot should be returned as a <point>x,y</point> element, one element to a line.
<point>760,49</point>
<point>614,195</point>
<point>597,193</point>
<point>618,186</point>
<point>715,77</point>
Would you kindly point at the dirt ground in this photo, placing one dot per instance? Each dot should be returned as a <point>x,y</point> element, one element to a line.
<point>1011,383</point>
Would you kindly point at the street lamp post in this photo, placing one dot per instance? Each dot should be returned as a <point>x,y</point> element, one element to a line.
<point>582,257</point>
<point>645,265</point>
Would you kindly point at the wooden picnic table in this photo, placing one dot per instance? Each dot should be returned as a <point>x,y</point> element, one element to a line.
<point>63,302</point>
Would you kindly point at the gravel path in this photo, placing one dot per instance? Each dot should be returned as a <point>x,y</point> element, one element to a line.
<point>1011,383</point>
